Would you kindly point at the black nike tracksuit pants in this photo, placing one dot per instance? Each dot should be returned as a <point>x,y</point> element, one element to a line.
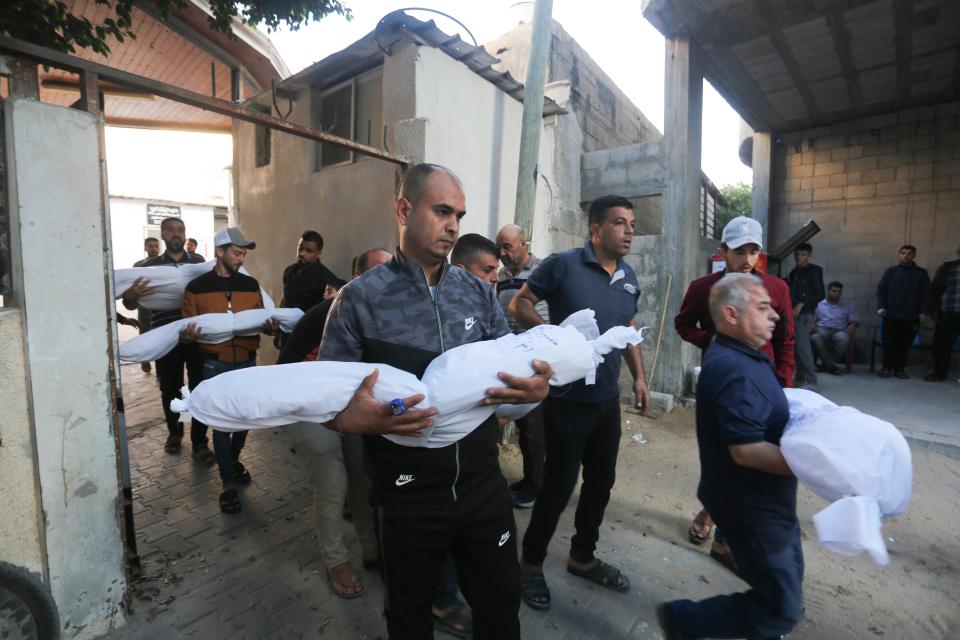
<point>434,502</point>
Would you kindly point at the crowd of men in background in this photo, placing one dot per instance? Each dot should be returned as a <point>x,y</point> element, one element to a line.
<point>443,516</point>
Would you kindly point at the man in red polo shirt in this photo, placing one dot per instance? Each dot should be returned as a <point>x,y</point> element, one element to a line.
<point>740,246</point>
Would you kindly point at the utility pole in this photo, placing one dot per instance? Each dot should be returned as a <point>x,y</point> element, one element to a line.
<point>532,117</point>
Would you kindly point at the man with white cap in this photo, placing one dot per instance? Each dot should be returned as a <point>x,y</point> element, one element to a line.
<point>740,246</point>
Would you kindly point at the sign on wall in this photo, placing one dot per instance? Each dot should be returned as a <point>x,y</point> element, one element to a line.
<point>157,212</point>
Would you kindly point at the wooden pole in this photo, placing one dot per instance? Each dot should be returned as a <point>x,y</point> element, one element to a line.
<point>663,319</point>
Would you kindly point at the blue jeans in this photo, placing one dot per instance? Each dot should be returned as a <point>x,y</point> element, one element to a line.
<point>770,560</point>
<point>226,444</point>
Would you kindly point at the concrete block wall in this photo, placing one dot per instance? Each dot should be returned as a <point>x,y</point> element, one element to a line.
<point>606,115</point>
<point>645,258</point>
<point>872,185</point>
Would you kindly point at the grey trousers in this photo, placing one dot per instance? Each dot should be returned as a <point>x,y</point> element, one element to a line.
<point>806,373</point>
<point>336,470</point>
<point>830,345</point>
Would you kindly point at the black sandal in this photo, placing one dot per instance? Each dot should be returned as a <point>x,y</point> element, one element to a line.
<point>605,575</point>
<point>456,621</point>
<point>240,473</point>
<point>534,585</point>
<point>229,501</point>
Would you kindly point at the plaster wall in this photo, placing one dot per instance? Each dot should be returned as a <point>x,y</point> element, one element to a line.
<point>559,221</point>
<point>67,366</point>
<point>474,129</point>
<point>350,205</point>
<point>20,530</point>
<point>872,185</point>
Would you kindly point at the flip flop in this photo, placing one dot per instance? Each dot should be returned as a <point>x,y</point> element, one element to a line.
<point>456,621</point>
<point>338,586</point>
<point>605,575</point>
<point>534,585</point>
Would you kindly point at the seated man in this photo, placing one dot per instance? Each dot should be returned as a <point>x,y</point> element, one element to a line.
<point>834,326</point>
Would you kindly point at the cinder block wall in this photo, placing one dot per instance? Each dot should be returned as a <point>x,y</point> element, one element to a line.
<point>872,185</point>
<point>605,114</point>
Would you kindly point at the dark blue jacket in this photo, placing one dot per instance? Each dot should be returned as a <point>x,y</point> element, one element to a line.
<point>806,286</point>
<point>904,291</point>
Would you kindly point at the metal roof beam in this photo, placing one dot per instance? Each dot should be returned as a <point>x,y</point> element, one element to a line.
<point>191,35</point>
<point>42,55</point>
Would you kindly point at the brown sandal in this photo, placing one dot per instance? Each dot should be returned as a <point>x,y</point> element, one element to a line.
<point>700,528</point>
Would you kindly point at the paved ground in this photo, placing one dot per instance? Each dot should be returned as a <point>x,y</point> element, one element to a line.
<point>927,412</point>
<point>259,574</point>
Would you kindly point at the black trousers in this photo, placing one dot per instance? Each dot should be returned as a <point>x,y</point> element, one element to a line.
<point>480,533</point>
<point>770,560</point>
<point>170,376</point>
<point>948,328</point>
<point>897,337</point>
<point>530,431</point>
<point>576,434</point>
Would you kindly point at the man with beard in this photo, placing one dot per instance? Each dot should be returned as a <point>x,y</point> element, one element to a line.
<point>518,265</point>
<point>170,367</point>
<point>220,290</point>
<point>582,422</point>
<point>151,246</point>
<point>903,301</point>
<point>305,280</point>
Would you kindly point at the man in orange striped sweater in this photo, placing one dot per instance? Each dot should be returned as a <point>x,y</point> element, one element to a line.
<point>220,290</point>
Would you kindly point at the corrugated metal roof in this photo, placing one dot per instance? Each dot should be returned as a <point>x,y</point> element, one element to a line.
<point>368,52</point>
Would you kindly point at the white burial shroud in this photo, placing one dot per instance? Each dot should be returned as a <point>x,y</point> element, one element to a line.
<point>859,463</point>
<point>168,283</point>
<point>455,382</point>
<point>214,328</point>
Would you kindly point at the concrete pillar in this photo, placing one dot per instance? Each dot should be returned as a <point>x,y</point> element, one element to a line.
<point>57,241</point>
<point>683,107</point>
<point>762,159</point>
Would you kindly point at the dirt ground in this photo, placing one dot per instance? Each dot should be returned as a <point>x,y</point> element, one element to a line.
<point>915,596</point>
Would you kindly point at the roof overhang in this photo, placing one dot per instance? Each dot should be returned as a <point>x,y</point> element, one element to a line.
<point>181,50</point>
<point>786,65</point>
<point>368,53</point>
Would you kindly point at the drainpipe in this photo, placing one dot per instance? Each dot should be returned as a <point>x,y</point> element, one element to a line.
<point>532,117</point>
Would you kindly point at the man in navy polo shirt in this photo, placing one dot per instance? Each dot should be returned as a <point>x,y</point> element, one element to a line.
<point>745,482</point>
<point>581,422</point>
